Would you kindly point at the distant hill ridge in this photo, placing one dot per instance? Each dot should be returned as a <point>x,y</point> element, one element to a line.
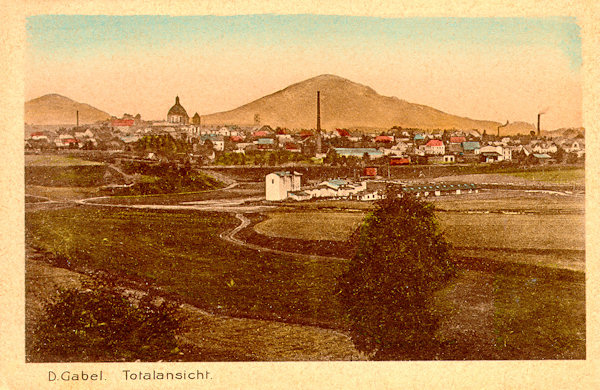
<point>55,109</point>
<point>344,104</point>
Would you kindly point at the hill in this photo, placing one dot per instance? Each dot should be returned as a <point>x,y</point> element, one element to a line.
<point>566,132</point>
<point>514,128</point>
<point>54,109</point>
<point>344,104</point>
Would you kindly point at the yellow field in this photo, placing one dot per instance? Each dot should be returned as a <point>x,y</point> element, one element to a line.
<point>54,160</point>
<point>502,229</point>
<point>311,225</point>
<point>461,229</point>
<point>62,193</point>
<point>514,231</point>
<point>565,176</point>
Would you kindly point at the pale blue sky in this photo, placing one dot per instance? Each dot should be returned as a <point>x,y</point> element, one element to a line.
<point>214,62</point>
<point>61,35</point>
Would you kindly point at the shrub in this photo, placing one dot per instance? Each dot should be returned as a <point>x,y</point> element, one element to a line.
<point>97,323</point>
<point>402,259</point>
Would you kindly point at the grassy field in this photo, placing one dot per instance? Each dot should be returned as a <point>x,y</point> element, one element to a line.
<point>499,316</point>
<point>54,160</point>
<point>311,225</point>
<point>182,253</point>
<point>66,175</point>
<point>173,199</point>
<point>536,316</point>
<point>327,204</point>
<point>489,316</point>
<point>563,176</point>
<point>461,229</point>
<point>512,201</point>
<point>62,193</point>
<point>531,228</point>
<point>514,231</point>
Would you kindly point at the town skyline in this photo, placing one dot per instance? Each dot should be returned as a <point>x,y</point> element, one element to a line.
<point>482,68</point>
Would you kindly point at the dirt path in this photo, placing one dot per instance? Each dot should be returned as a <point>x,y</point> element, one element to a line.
<point>216,335</point>
<point>245,222</point>
<point>129,178</point>
<point>219,176</point>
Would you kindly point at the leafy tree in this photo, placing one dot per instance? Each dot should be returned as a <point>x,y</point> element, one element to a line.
<point>572,158</point>
<point>365,159</point>
<point>97,323</point>
<point>560,155</point>
<point>259,159</point>
<point>272,159</point>
<point>330,157</point>
<point>402,259</point>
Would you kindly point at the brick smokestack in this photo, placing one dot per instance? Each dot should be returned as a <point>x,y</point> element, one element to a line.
<point>319,122</point>
<point>77,118</point>
<point>506,124</point>
<point>538,126</point>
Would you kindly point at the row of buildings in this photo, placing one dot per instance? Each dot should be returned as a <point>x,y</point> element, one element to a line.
<point>401,146</point>
<point>284,185</point>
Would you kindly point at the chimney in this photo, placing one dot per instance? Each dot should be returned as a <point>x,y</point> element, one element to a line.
<point>506,124</point>
<point>538,127</point>
<point>77,118</point>
<point>319,122</point>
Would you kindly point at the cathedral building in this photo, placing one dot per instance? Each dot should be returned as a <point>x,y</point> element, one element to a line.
<point>177,114</point>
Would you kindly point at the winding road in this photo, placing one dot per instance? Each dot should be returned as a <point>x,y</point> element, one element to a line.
<point>236,206</point>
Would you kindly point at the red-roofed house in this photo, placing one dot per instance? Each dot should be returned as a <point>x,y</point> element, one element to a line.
<point>236,138</point>
<point>66,142</point>
<point>384,138</point>
<point>260,133</point>
<point>343,132</point>
<point>122,124</point>
<point>434,146</point>
<point>292,147</point>
<point>38,136</point>
<point>399,160</point>
<point>457,140</point>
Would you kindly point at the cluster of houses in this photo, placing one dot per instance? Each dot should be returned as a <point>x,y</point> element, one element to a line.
<point>398,146</point>
<point>460,147</point>
<point>79,138</point>
<point>284,185</point>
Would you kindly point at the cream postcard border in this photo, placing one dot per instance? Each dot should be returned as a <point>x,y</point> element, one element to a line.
<point>16,374</point>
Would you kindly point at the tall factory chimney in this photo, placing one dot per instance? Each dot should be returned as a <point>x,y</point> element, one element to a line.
<point>318,122</point>
<point>506,124</point>
<point>538,127</point>
<point>77,118</point>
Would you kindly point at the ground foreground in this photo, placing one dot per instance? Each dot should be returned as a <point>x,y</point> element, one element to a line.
<point>491,311</point>
<point>259,280</point>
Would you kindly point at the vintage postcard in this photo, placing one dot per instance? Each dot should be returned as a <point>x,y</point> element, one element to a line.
<point>232,200</point>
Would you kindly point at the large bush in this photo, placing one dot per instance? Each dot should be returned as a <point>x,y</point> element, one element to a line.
<point>401,260</point>
<point>97,323</point>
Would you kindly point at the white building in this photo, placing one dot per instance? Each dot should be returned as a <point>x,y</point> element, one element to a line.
<point>278,184</point>
<point>336,188</point>
<point>545,148</point>
<point>574,146</point>
<point>434,146</point>
<point>502,154</point>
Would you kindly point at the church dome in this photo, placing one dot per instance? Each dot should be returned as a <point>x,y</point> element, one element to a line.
<point>177,109</point>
